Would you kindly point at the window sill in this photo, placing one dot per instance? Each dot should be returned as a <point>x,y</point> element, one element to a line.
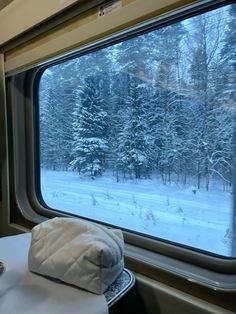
<point>158,266</point>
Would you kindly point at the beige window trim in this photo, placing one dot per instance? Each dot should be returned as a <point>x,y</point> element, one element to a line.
<point>21,15</point>
<point>88,28</point>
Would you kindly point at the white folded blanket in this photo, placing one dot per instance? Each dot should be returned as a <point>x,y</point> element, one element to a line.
<point>77,252</point>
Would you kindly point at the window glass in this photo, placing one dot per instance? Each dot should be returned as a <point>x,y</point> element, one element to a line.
<point>140,134</point>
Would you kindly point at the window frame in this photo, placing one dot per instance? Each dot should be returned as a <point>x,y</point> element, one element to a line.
<point>27,206</point>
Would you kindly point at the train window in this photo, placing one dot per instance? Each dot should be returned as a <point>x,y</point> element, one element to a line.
<point>140,133</point>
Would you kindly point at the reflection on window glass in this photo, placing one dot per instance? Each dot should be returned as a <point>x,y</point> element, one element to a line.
<point>140,134</point>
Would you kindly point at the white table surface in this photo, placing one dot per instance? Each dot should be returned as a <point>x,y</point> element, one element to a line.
<point>22,292</point>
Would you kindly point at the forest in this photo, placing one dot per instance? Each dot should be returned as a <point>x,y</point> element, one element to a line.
<point>161,104</point>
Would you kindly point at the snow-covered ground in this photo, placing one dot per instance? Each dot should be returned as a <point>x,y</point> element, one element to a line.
<point>202,220</point>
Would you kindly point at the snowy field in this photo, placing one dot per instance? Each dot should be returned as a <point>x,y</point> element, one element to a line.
<point>202,220</point>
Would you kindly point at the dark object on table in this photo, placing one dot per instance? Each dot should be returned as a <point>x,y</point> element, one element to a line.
<point>119,287</point>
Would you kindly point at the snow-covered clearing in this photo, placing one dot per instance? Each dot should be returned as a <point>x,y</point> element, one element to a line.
<point>202,220</point>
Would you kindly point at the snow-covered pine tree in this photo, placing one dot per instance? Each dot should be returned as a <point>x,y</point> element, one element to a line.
<point>89,129</point>
<point>165,124</point>
<point>66,100</point>
<point>222,159</point>
<point>228,61</point>
<point>56,107</point>
<point>48,122</point>
<point>133,150</point>
<point>228,51</point>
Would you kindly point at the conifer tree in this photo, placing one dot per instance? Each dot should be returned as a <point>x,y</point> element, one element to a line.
<point>133,150</point>
<point>89,129</point>
<point>228,62</point>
